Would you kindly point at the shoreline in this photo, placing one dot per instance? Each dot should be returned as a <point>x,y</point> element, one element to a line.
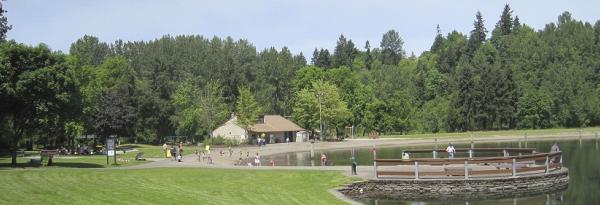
<point>273,149</point>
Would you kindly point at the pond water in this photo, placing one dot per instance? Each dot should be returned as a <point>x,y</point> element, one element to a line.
<point>581,157</point>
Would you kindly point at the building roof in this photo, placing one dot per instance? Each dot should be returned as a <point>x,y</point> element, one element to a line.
<point>275,123</point>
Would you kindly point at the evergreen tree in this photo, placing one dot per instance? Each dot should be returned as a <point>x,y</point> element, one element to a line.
<point>300,60</point>
<point>369,56</point>
<point>323,59</point>
<point>516,24</point>
<point>478,34</point>
<point>505,24</point>
<point>344,52</point>
<point>466,99</point>
<point>438,42</point>
<point>315,57</point>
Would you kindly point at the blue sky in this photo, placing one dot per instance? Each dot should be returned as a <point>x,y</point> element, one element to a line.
<point>300,25</point>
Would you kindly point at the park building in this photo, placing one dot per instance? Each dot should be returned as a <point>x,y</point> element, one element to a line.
<point>272,128</point>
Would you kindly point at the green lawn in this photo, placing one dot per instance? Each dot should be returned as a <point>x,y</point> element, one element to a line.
<point>168,186</point>
<point>585,131</point>
<point>93,161</point>
<point>150,151</point>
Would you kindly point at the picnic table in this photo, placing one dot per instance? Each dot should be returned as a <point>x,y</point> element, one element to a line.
<point>47,154</point>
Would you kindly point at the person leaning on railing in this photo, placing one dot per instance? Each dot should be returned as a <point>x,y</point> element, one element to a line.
<point>555,149</point>
<point>451,150</point>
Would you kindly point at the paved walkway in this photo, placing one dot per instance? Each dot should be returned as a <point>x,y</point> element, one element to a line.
<point>365,172</point>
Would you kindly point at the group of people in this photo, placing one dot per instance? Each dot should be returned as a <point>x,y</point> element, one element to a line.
<point>175,153</point>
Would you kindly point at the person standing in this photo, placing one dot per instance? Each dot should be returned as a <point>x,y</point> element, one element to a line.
<point>450,149</point>
<point>323,159</point>
<point>210,159</point>
<point>257,159</point>
<point>555,147</point>
<point>180,147</point>
<point>173,152</point>
<point>165,147</point>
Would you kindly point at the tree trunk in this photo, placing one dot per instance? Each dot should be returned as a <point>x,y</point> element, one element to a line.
<point>13,154</point>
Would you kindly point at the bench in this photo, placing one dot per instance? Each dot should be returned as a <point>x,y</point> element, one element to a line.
<point>49,154</point>
<point>140,157</point>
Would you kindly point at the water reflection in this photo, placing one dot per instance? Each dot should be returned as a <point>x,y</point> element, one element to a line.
<point>543,199</point>
<point>580,156</point>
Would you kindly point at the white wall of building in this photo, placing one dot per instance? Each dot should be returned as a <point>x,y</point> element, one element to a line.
<point>231,131</point>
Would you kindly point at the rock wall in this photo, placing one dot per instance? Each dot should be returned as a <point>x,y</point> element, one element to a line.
<point>500,187</point>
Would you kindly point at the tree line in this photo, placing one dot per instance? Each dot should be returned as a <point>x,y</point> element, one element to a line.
<point>512,77</point>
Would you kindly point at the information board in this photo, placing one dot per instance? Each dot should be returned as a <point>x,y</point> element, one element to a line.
<point>110,146</point>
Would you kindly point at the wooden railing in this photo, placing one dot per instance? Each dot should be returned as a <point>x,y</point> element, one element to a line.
<point>505,151</point>
<point>504,166</point>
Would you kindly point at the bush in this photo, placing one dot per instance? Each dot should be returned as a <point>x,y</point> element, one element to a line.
<point>218,140</point>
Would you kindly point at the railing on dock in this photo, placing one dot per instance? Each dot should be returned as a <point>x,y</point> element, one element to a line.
<point>486,166</point>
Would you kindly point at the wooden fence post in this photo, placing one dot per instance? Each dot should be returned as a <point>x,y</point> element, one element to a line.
<point>514,167</point>
<point>547,164</point>
<point>466,169</point>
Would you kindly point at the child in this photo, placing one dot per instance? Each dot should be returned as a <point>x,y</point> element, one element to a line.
<point>210,160</point>
<point>257,159</point>
<point>179,157</point>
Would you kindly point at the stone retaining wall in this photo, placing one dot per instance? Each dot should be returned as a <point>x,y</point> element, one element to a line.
<point>500,187</point>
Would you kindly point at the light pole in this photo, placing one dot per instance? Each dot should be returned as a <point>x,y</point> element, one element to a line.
<point>320,118</point>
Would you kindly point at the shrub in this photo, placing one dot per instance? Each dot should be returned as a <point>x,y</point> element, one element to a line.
<point>219,140</point>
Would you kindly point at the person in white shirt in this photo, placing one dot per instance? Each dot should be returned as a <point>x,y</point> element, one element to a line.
<point>257,159</point>
<point>450,149</point>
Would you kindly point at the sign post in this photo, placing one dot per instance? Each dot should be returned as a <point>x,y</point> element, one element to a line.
<point>110,149</point>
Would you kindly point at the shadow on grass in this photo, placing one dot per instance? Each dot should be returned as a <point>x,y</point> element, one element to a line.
<point>4,166</point>
<point>76,165</point>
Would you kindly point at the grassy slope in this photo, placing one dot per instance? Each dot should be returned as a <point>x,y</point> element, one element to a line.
<point>93,161</point>
<point>168,186</point>
<point>586,131</point>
